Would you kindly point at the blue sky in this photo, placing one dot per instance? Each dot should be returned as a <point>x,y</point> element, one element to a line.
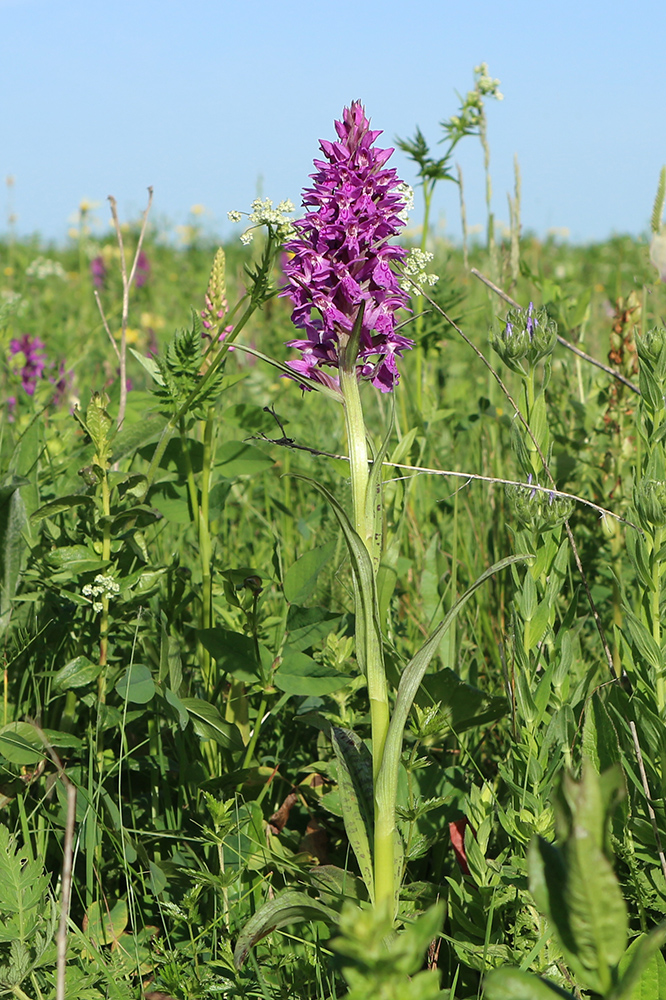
<point>210,101</point>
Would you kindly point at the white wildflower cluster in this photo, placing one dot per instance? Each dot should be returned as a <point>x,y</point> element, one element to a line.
<point>485,84</point>
<point>43,267</point>
<point>407,194</point>
<point>263,214</point>
<point>11,304</point>
<point>102,586</point>
<point>414,270</point>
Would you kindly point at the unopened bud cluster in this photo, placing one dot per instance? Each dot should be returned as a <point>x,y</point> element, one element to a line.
<point>527,335</point>
<point>650,502</point>
<point>538,509</point>
<point>216,304</point>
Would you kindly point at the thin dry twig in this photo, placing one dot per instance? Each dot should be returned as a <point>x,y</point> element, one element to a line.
<point>648,796</point>
<point>127,284</point>
<point>561,340</point>
<point>106,325</point>
<point>287,442</point>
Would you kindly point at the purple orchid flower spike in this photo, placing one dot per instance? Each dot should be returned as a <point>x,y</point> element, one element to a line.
<point>342,255</point>
<point>32,349</point>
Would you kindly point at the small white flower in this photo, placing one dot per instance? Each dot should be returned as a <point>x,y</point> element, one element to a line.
<point>102,586</point>
<point>407,194</point>
<point>414,269</point>
<point>234,216</point>
<point>247,237</point>
<point>42,268</point>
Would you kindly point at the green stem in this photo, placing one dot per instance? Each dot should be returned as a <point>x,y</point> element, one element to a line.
<point>249,753</point>
<point>655,609</point>
<point>205,549</point>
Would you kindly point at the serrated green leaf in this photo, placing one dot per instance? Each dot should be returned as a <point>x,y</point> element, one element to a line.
<point>23,886</point>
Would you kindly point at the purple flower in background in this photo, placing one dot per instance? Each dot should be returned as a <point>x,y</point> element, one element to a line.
<point>32,349</point>
<point>142,272</point>
<point>341,257</point>
<point>98,271</point>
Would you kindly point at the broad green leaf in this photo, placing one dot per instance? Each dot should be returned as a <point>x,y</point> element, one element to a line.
<point>209,724</point>
<point>60,505</point>
<point>299,674</point>
<point>77,673</point>
<point>104,924</point>
<point>171,500</point>
<point>600,741</point>
<point>512,984</point>
<point>308,626</point>
<point>301,578</point>
<point>136,685</point>
<point>20,744</point>
<point>642,968</point>
<point>643,640</point>
<point>356,797</point>
<point>461,704</point>
<point>237,458</point>
<point>13,522</point>
<point>234,652</point>
<point>537,625</point>
<point>289,907</point>
<point>133,436</point>
<point>151,366</point>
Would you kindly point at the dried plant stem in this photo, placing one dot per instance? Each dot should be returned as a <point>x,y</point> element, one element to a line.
<point>648,797</point>
<point>67,858</point>
<point>463,218</point>
<point>106,325</point>
<point>127,280</point>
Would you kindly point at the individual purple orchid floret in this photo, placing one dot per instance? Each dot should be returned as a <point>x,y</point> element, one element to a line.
<point>142,272</point>
<point>98,271</point>
<point>32,349</point>
<point>342,255</point>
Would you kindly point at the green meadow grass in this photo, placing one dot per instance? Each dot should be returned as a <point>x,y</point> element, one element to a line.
<point>200,748</point>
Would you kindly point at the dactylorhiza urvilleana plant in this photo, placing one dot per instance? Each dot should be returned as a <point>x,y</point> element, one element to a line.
<point>346,293</point>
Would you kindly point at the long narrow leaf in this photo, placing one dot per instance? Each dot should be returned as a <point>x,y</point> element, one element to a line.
<point>368,633</point>
<point>387,779</point>
<point>288,908</point>
<point>356,797</point>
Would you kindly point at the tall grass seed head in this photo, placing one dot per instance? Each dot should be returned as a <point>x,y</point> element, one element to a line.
<point>658,253</point>
<point>341,257</point>
<point>526,335</point>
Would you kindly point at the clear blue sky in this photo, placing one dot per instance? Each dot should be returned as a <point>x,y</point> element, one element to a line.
<point>206,99</point>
